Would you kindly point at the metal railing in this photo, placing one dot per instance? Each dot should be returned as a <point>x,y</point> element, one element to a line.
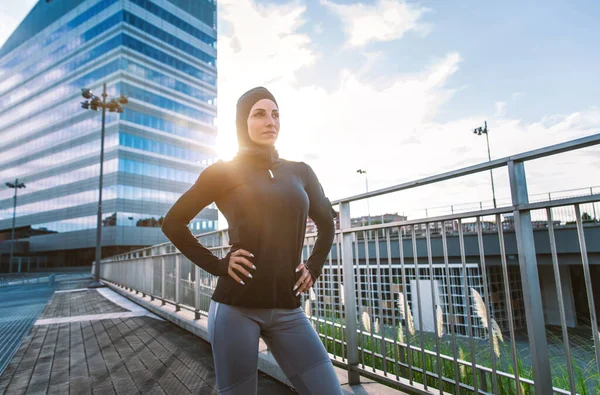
<point>444,310</point>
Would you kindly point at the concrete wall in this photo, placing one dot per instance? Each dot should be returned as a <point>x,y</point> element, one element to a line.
<point>550,296</point>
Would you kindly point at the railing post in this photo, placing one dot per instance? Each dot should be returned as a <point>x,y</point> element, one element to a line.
<point>143,276</point>
<point>136,277</point>
<point>177,282</point>
<point>152,279</point>
<point>349,296</point>
<point>197,292</point>
<point>162,288</point>
<point>532,297</point>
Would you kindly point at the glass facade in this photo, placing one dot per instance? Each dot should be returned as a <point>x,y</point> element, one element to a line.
<point>162,55</point>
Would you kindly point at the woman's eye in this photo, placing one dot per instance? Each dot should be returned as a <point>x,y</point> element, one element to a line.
<point>276,116</point>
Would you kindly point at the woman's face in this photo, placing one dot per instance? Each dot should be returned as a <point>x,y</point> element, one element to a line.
<point>263,122</point>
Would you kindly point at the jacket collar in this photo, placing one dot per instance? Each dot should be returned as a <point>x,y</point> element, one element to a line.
<point>264,156</point>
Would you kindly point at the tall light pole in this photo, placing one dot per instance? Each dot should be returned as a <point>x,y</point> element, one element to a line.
<point>479,131</point>
<point>16,185</point>
<point>362,171</point>
<point>113,105</point>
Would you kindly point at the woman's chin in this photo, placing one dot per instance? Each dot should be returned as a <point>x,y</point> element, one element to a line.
<point>267,141</point>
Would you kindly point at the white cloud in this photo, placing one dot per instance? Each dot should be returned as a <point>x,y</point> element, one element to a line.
<point>387,20</point>
<point>517,95</point>
<point>262,48</point>
<point>387,126</point>
<point>500,109</point>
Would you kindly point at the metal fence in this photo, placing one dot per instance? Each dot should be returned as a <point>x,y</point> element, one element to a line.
<point>387,308</point>
<point>20,264</point>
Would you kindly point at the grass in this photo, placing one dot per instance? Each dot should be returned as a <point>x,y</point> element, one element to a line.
<point>586,377</point>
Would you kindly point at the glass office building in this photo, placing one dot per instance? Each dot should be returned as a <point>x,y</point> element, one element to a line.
<point>162,55</point>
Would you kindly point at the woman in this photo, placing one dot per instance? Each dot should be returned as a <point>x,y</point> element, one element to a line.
<point>266,201</point>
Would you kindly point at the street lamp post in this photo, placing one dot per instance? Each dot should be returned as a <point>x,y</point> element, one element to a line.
<point>16,185</point>
<point>362,171</point>
<point>113,105</point>
<point>479,131</point>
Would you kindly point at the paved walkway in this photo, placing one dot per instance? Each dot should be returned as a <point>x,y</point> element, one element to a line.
<point>20,306</point>
<point>97,353</point>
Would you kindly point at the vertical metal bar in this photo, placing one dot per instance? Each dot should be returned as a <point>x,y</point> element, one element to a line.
<point>593,203</point>
<point>380,301</point>
<point>451,311</point>
<point>561,303</point>
<point>406,307</point>
<point>391,276</point>
<point>536,329</point>
<point>197,301</point>
<point>340,281</point>
<point>417,276</point>
<point>177,281</point>
<point>588,283</point>
<point>370,298</point>
<point>151,279</point>
<point>487,301</point>
<point>349,299</point>
<point>333,303</point>
<point>435,307</point>
<point>162,288</point>
<point>507,294</point>
<point>467,296</point>
<point>316,324</point>
<point>360,302</point>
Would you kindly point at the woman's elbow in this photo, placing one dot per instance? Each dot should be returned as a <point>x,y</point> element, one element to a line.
<point>168,226</point>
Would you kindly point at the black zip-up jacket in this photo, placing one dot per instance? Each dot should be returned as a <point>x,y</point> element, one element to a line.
<point>266,201</point>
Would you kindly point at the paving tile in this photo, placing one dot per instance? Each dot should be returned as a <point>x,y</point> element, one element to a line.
<point>37,386</point>
<point>189,379</point>
<point>133,364</point>
<point>18,383</point>
<point>103,390</point>
<point>154,391</point>
<point>144,379</point>
<point>59,376</point>
<point>80,385</point>
<point>78,370</point>
<point>100,380</point>
<point>173,386</point>
<point>208,390</point>
<point>124,385</point>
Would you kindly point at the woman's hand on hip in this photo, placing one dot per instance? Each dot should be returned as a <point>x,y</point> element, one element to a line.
<point>238,262</point>
<point>305,282</point>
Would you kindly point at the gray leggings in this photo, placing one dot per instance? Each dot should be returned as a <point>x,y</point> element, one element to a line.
<point>234,333</point>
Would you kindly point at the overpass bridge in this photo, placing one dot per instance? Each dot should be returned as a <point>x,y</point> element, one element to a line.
<point>444,309</point>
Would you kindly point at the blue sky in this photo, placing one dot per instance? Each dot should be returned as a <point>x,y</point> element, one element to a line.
<point>396,87</point>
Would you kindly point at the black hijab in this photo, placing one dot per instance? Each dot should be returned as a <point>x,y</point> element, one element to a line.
<point>248,149</point>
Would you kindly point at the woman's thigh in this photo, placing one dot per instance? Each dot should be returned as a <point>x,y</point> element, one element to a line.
<point>234,339</point>
<point>299,352</point>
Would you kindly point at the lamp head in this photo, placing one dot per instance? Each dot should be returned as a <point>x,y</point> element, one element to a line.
<point>86,93</point>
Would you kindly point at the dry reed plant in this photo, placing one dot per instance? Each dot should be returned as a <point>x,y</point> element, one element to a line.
<point>366,321</point>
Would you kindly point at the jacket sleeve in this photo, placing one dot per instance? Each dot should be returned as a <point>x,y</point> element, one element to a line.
<point>205,190</point>
<point>321,212</point>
